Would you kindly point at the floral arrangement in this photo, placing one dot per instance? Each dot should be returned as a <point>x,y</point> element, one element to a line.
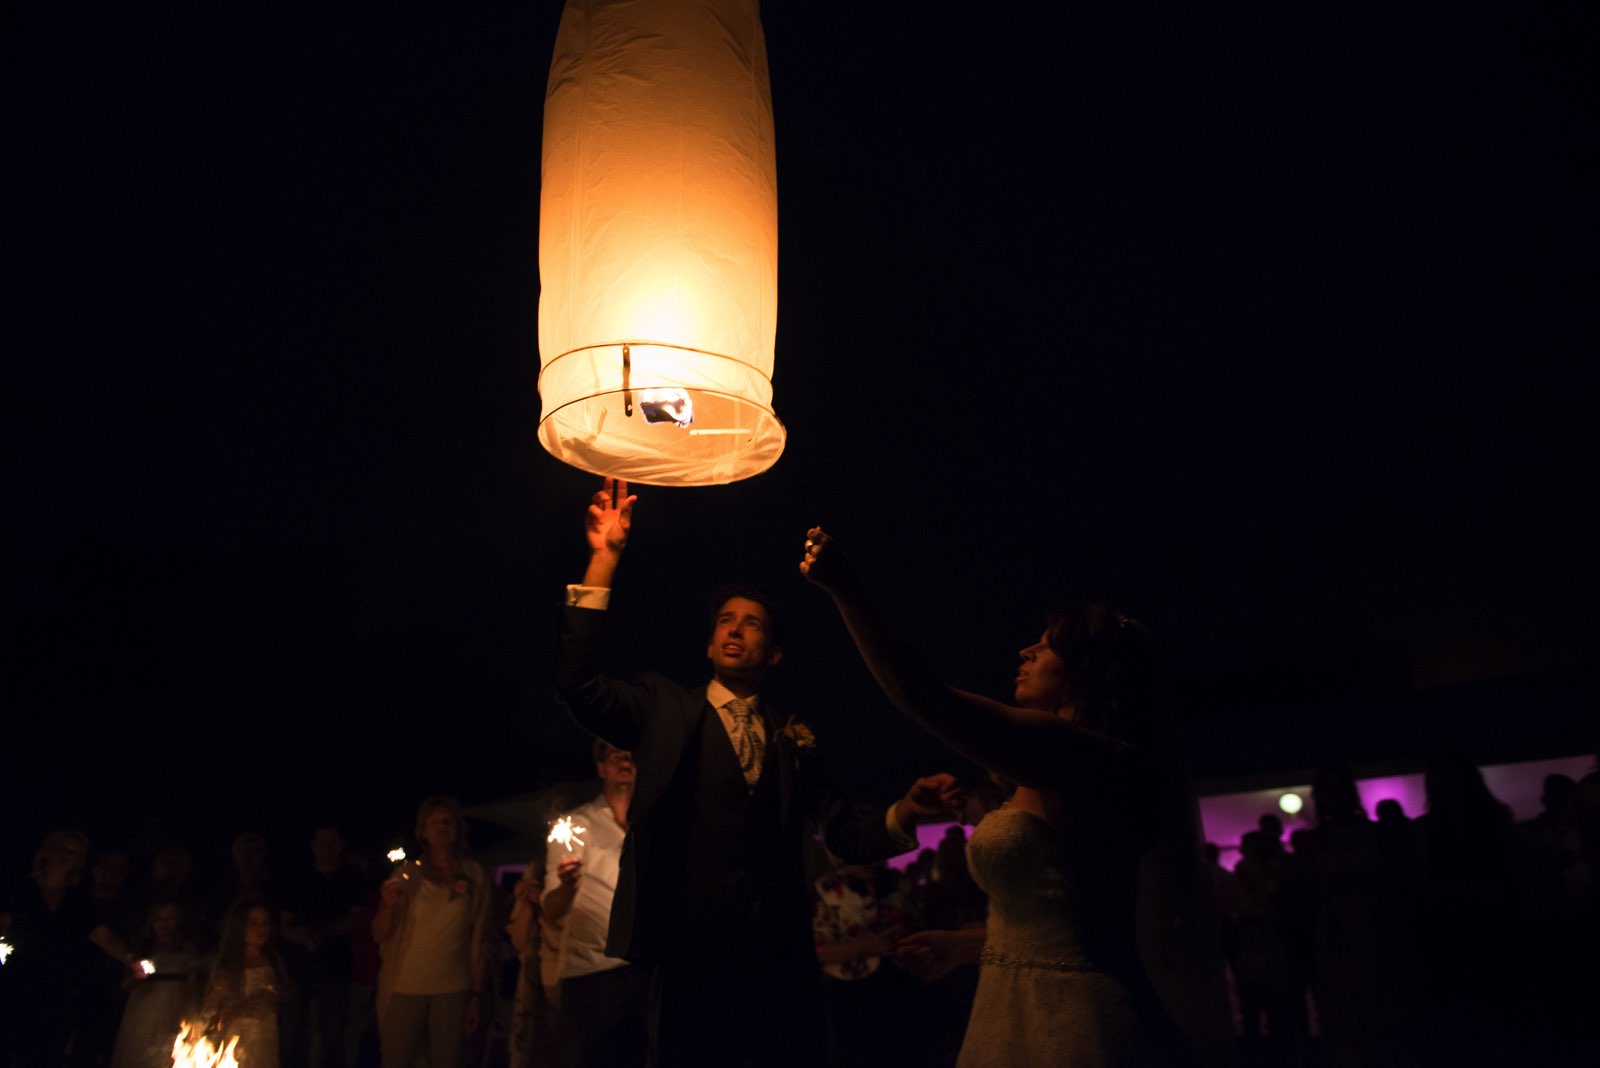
<point>799,735</point>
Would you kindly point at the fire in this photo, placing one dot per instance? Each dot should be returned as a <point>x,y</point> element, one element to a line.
<point>194,1049</point>
<point>396,855</point>
<point>564,832</point>
<point>5,950</point>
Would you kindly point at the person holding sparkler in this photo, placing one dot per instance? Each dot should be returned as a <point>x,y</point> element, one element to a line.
<point>153,1014</point>
<point>1101,789</point>
<point>47,923</point>
<point>602,998</point>
<point>432,932</point>
<point>712,888</point>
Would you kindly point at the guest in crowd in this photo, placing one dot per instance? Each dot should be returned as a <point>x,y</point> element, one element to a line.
<point>54,932</point>
<point>603,998</point>
<point>157,1000</point>
<point>246,983</point>
<point>321,906</point>
<point>432,931</point>
<point>859,918</point>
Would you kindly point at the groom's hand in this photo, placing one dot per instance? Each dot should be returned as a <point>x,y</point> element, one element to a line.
<point>606,526</point>
<point>610,517</point>
<point>931,799</point>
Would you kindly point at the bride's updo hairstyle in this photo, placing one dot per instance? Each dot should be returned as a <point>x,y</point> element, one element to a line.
<point>1117,680</point>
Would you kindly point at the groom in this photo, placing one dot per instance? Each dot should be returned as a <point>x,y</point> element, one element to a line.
<point>712,889</point>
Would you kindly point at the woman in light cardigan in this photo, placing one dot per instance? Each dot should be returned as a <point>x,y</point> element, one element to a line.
<point>431,928</point>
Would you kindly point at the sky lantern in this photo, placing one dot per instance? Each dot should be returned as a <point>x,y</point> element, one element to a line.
<point>658,243</point>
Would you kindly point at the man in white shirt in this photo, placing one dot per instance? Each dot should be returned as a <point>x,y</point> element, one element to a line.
<point>602,998</point>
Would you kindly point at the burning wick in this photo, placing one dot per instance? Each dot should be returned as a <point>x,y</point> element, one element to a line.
<point>564,832</point>
<point>5,950</point>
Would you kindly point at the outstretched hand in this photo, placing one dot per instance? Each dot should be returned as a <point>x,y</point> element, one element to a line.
<point>610,517</point>
<point>931,799</point>
<point>824,564</point>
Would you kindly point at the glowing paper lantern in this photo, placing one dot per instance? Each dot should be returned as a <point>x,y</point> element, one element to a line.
<point>658,243</point>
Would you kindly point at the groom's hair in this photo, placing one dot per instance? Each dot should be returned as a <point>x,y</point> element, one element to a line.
<point>727,592</point>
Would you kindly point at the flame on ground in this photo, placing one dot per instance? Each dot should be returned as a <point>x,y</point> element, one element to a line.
<point>194,1049</point>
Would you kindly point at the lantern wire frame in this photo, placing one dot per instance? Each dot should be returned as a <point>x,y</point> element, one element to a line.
<point>735,431</point>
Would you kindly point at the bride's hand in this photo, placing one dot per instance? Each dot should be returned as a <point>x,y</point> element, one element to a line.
<point>824,564</point>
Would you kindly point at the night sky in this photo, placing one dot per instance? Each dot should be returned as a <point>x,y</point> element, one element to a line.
<point>1271,326</point>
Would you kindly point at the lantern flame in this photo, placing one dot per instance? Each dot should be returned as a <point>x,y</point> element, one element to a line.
<point>564,832</point>
<point>667,406</point>
<point>194,1049</point>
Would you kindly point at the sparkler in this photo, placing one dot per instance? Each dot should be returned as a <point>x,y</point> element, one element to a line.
<point>398,856</point>
<point>146,967</point>
<point>5,950</point>
<point>564,832</point>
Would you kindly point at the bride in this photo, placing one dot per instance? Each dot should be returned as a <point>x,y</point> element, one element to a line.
<point>1100,784</point>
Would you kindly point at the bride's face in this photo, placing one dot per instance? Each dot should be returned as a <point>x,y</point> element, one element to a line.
<point>1041,678</point>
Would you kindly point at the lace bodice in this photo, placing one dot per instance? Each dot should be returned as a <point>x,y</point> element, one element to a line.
<point>1022,864</point>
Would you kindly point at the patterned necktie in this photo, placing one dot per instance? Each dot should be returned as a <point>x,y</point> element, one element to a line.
<point>746,742</point>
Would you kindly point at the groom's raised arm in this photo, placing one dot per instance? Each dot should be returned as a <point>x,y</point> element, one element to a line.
<point>611,709</point>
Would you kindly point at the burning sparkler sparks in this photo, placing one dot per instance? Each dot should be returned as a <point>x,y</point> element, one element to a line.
<point>5,950</point>
<point>398,856</point>
<point>564,832</point>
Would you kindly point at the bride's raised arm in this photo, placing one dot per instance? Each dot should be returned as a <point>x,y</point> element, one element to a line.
<point>1031,747</point>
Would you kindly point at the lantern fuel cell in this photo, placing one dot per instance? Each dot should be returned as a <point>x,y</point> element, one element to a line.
<point>658,243</point>
<point>667,406</point>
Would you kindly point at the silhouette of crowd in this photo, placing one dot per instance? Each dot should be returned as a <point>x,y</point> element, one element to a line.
<point>1454,936</point>
<point>1457,937</point>
<point>111,952</point>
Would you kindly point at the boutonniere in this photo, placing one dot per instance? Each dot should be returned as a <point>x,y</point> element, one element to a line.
<point>799,735</point>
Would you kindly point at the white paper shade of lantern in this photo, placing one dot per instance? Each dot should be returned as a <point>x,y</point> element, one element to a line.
<point>658,243</point>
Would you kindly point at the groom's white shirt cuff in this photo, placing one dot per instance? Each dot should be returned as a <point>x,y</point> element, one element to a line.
<point>597,597</point>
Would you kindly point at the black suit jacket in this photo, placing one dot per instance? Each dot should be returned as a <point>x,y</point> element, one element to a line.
<point>657,719</point>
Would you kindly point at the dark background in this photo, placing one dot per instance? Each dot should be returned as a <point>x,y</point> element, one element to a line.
<point>1272,325</point>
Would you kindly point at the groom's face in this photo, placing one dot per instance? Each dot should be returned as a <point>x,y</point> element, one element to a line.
<point>741,645</point>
